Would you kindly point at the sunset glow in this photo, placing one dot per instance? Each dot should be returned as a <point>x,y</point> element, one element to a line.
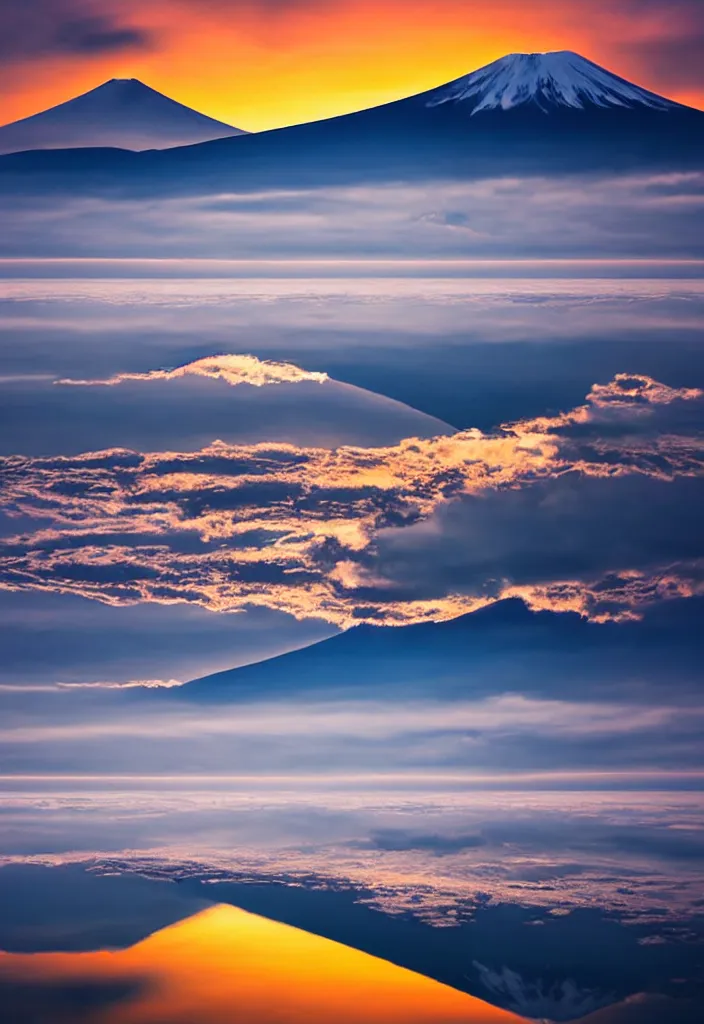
<point>225,964</point>
<point>260,66</point>
<point>351,490</point>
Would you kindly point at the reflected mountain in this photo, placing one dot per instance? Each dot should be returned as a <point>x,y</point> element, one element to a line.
<point>225,965</point>
<point>503,647</point>
<point>186,408</point>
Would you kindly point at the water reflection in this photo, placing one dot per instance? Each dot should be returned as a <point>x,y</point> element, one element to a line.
<point>508,804</point>
<point>225,965</point>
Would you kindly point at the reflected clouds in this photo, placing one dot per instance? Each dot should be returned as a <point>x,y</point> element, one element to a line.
<point>234,369</point>
<point>168,513</point>
<point>634,855</point>
<point>422,529</point>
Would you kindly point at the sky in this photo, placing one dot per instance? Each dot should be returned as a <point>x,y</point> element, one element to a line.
<point>260,64</point>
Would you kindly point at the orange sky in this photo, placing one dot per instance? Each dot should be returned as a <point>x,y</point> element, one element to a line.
<point>272,62</point>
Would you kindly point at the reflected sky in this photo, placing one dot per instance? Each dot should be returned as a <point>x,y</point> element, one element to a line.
<point>224,964</point>
<point>430,342</point>
<point>439,347</point>
<point>512,896</point>
<point>424,846</point>
<point>503,795</point>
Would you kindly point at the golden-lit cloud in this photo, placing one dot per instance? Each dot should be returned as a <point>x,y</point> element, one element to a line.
<point>234,369</point>
<point>355,534</point>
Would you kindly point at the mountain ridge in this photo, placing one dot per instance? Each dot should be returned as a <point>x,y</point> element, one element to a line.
<point>402,141</point>
<point>463,655</point>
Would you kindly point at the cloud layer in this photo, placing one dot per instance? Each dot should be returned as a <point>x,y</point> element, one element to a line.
<point>515,216</point>
<point>574,511</point>
<point>551,853</point>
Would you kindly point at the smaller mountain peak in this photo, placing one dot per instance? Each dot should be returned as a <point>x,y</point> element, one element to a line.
<point>122,113</point>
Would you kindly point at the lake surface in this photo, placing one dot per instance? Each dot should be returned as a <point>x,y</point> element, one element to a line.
<point>497,817</point>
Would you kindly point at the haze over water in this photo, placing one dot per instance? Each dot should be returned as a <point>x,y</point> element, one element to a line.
<point>205,472</point>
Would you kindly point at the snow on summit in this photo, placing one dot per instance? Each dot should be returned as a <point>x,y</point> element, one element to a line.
<point>545,81</point>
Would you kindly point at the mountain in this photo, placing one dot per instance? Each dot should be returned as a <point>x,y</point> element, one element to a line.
<point>523,114</point>
<point>123,113</point>
<point>225,965</point>
<point>504,647</point>
<point>545,82</point>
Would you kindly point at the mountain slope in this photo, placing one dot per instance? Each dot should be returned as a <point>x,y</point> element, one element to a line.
<point>504,647</point>
<point>224,964</point>
<point>524,114</point>
<point>123,113</point>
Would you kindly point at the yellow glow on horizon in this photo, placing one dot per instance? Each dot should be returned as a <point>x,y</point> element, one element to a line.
<point>263,68</point>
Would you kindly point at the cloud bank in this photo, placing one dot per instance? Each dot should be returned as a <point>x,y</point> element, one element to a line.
<point>533,217</point>
<point>574,511</point>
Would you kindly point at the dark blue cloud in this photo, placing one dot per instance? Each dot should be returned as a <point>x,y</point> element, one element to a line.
<point>392,840</point>
<point>45,28</point>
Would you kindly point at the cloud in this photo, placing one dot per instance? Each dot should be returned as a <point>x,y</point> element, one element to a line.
<point>675,61</point>
<point>294,831</point>
<point>559,1001</point>
<point>79,28</point>
<point>492,718</point>
<point>156,733</point>
<point>667,41</point>
<point>557,216</point>
<point>569,512</point>
<point>441,845</point>
<point>234,369</point>
<point>129,684</point>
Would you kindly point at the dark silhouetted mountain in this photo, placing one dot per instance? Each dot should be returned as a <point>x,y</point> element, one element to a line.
<point>523,114</point>
<point>504,647</point>
<point>123,113</point>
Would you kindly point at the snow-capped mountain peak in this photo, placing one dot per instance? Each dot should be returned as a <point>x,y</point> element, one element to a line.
<point>545,81</point>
